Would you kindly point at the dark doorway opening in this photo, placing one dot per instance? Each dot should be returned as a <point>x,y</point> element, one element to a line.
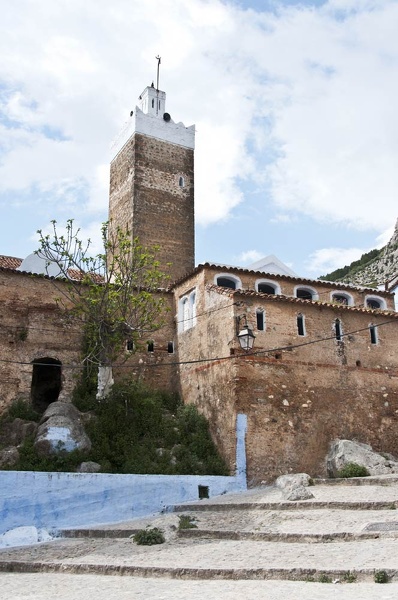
<point>46,383</point>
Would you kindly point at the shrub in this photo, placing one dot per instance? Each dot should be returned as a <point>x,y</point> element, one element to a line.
<point>349,577</point>
<point>149,537</point>
<point>22,409</point>
<point>186,522</point>
<point>324,579</point>
<point>352,470</point>
<point>381,577</point>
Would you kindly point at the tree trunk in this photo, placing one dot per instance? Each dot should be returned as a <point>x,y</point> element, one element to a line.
<point>105,381</point>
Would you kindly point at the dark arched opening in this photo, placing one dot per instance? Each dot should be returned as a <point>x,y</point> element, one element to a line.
<point>46,383</point>
<point>266,288</point>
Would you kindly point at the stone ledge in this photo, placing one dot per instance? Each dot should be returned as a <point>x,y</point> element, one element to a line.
<point>300,505</point>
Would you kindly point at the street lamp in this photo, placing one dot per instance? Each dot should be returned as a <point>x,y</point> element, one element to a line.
<point>245,335</point>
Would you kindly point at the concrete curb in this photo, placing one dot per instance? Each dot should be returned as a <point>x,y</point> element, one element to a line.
<point>281,537</point>
<point>298,574</point>
<point>300,505</point>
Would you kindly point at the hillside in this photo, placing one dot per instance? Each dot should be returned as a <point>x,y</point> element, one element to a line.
<point>373,269</point>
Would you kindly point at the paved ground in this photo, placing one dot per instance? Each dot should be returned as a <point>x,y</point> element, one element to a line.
<point>47,586</point>
<point>226,568</point>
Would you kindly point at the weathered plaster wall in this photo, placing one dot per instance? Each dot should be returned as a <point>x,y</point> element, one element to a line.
<point>296,400</point>
<point>33,327</point>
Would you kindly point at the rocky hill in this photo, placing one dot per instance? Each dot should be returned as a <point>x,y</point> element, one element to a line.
<point>373,269</point>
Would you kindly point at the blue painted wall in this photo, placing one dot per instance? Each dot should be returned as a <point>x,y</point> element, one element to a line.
<point>62,500</point>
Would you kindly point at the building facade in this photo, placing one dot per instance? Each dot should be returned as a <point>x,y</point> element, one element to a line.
<point>324,362</point>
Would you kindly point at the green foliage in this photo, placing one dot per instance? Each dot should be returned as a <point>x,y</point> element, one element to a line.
<point>22,409</point>
<point>349,577</point>
<point>149,536</point>
<point>324,579</point>
<point>381,577</point>
<point>112,293</point>
<point>135,430</point>
<point>352,470</point>
<point>29,460</point>
<point>355,266</point>
<point>186,522</point>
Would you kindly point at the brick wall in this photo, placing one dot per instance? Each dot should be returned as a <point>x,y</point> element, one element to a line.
<point>145,196</point>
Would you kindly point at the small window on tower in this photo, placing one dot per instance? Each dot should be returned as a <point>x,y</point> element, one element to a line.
<point>181,182</point>
<point>150,346</point>
<point>153,103</point>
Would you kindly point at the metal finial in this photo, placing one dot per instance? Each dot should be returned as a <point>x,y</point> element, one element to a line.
<point>159,61</point>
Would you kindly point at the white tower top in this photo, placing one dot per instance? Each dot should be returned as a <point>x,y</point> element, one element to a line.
<point>153,102</point>
<point>151,119</point>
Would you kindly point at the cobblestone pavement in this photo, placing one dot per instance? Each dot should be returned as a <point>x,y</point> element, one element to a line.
<point>46,586</point>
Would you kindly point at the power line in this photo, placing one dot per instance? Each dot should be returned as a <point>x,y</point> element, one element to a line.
<point>205,360</point>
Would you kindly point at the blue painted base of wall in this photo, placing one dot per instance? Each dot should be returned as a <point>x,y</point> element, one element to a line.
<point>63,500</point>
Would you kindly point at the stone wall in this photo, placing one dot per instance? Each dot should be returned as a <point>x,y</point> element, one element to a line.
<point>299,392</point>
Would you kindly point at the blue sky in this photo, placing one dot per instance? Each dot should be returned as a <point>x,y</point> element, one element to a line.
<point>294,105</point>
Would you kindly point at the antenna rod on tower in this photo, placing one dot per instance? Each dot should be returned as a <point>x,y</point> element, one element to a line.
<point>157,80</point>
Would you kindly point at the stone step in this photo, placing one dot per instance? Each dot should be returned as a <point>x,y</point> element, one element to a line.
<point>262,536</point>
<point>300,505</point>
<point>211,559</point>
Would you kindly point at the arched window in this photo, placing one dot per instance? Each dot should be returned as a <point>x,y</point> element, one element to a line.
<point>181,181</point>
<point>306,293</point>
<point>153,103</point>
<point>342,298</point>
<point>375,302</point>
<point>228,281</point>
<point>266,286</point>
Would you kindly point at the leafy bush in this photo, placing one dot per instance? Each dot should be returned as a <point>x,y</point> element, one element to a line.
<point>352,470</point>
<point>381,577</point>
<point>186,522</point>
<point>324,579</point>
<point>22,409</point>
<point>349,577</point>
<point>29,460</point>
<point>149,537</point>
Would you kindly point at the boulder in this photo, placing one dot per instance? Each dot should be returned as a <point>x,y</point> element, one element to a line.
<point>294,480</point>
<point>8,457</point>
<point>89,467</point>
<point>14,433</point>
<point>297,493</point>
<point>61,429</point>
<point>343,452</point>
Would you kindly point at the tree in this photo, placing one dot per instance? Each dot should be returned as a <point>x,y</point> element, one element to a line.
<point>112,293</point>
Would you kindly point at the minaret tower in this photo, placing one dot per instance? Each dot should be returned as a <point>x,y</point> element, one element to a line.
<point>152,183</point>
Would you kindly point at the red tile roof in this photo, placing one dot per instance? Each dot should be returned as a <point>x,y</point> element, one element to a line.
<point>10,262</point>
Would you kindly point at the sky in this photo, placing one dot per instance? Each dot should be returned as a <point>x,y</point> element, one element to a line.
<point>295,107</point>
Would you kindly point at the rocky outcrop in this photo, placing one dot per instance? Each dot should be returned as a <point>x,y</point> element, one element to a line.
<point>9,457</point>
<point>89,467</point>
<point>61,429</point>
<point>343,452</point>
<point>295,487</point>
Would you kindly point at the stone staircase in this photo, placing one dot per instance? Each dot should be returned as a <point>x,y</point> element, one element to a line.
<point>347,533</point>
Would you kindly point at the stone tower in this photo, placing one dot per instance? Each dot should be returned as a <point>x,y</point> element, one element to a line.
<point>152,183</point>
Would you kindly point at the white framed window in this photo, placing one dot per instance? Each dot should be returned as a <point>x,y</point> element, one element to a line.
<point>260,319</point>
<point>301,324</point>
<point>306,292</point>
<point>267,286</point>
<point>375,302</point>
<point>187,311</point>
<point>227,280</point>
<point>342,298</point>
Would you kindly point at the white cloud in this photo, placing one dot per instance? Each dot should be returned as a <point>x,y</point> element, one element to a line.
<point>304,96</point>
<point>327,260</point>
<point>250,256</point>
